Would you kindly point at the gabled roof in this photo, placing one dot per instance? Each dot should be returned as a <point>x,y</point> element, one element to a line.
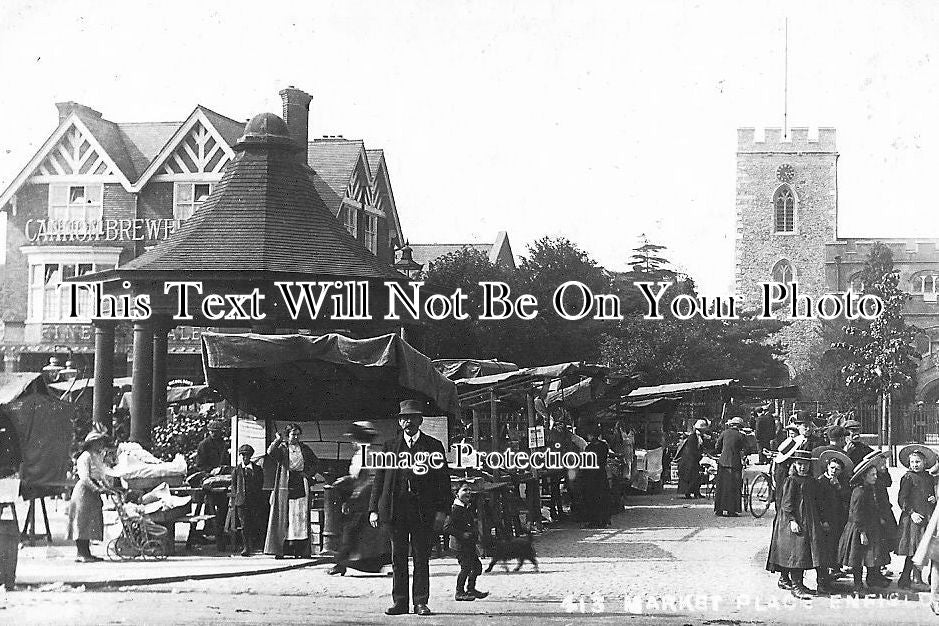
<point>228,130</point>
<point>263,216</point>
<point>105,137</point>
<point>375,157</point>
<point>496,252</point>
<point>143,140</point>
<point>333,161</point>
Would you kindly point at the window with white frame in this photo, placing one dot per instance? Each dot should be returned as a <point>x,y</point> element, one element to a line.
<point>75,203</point>
<point>371,233</point>
<point>350,218</point>
<point>50,298</point>
<point>924,282</point>
<point>187,197</point>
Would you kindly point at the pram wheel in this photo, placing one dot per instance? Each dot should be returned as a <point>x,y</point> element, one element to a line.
<point>122,548</point>
<point>154,549</point>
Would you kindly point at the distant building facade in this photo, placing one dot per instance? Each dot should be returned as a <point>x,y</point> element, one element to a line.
<point>499,252</point>
<point>787,230</point>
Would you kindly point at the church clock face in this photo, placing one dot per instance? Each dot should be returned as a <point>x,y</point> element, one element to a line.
<point>785,173</point>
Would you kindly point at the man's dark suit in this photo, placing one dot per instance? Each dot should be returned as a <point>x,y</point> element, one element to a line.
<point>410,502</point>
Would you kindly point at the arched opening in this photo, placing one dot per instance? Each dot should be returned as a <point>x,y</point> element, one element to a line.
<point>784,206</point>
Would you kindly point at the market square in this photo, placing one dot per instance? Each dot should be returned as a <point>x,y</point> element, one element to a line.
<point>675,362</point>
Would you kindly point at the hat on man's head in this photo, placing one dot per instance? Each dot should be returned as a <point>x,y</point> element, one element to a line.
<point>735,421</point>
<point>411,407</point>
<point>217,425</point>
<point>792,426</point>
<point>701,425</point>
<point>246,449</point>
<point>852,425</point>
<point>834,432</point>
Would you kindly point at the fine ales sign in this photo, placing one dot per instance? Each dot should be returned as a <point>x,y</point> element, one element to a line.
<point>572,300</point>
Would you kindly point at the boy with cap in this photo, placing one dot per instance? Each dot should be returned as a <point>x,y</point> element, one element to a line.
<point>247,500</point>
<point>461,526</point>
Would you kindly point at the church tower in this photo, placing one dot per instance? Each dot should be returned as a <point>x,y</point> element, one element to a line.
<point>787,210</point>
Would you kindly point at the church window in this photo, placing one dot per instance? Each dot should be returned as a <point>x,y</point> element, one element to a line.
<point>784,206</point>
<point>782,272</point>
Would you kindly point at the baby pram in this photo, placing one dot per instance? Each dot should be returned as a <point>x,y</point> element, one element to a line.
<point>140,536</point>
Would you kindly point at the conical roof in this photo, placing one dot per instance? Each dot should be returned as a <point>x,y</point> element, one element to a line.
<point>264,216</point>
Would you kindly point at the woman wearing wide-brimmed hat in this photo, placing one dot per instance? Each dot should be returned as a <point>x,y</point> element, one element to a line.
<point>798,536</point>
<point>86,521</point>
<point>362,547</point>
<point>689,457</point>
<point>917,499</point>
<point>861,542</point>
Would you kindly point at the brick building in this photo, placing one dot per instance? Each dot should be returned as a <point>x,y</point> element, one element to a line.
<point>787,230</point>
<point>100,193</point>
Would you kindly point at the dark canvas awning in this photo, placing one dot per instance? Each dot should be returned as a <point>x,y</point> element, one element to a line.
<point>42,425</point>
<point>455,369</point>
<point>306,378</point>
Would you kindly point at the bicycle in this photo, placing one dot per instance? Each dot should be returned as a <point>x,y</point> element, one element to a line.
<point>762,491</point>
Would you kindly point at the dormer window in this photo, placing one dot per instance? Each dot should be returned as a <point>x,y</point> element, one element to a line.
<point>350,218</point>
<point>188,197</point>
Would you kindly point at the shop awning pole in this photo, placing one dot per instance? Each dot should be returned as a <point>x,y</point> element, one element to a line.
<point>493,421</point>
<point>534,487</point>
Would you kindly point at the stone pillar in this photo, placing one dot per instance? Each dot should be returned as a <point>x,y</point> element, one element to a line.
<point>11,362</point>
<point>142,384</point>
<point>160,351</point>
<point>104,374</point>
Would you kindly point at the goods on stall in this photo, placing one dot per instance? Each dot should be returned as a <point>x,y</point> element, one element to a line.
<point>138,469</point>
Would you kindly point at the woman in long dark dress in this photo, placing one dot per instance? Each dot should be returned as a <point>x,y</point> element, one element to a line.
<point>728,485</point>
<point>799,541</point>
<point>689,458</point>
<point>288,527</point>
<point>917,500</point>
<point>362,547</point>
<point>594,484</point>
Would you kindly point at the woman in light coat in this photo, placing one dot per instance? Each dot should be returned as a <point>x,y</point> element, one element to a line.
<point>86,521</point>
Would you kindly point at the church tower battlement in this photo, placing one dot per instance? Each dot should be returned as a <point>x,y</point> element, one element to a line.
<point>786,213</point>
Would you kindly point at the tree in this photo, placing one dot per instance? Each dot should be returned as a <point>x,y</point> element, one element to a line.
<point>645,259</point>
<point>552,262</point>
<point>881,358</point>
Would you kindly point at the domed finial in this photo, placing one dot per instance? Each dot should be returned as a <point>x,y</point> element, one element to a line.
<point>266,129</point>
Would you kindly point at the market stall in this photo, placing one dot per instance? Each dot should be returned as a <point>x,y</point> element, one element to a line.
<point>327,381</point>
<point>35,441</point>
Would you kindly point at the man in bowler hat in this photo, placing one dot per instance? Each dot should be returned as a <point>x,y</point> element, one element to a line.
<point>414,505</point>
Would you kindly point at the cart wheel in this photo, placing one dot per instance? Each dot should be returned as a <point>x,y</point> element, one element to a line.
<point>760,495</point>
<point>122,549</point>
<point>153,549</point>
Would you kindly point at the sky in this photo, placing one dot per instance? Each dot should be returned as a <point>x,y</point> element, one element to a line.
<point>596,121</point>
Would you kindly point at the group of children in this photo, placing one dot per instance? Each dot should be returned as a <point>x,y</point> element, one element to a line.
<point>841,522</point>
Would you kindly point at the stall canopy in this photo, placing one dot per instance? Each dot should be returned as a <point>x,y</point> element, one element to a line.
<point>193,394</point>
<point>455,369</point>
<point>728,387</point>
<point>326,377</point>
<point>68,388</point>
<point>43,428</point>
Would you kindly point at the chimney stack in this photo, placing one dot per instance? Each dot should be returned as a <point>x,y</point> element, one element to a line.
<point>297,116</point>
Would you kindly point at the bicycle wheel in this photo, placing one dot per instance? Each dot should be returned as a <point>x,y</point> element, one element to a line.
<point>760,495</point>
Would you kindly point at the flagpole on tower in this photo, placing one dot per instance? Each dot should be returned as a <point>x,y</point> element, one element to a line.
<point>786,83</point>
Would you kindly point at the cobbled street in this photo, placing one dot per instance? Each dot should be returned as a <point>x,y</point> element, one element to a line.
<point>666,560</point>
